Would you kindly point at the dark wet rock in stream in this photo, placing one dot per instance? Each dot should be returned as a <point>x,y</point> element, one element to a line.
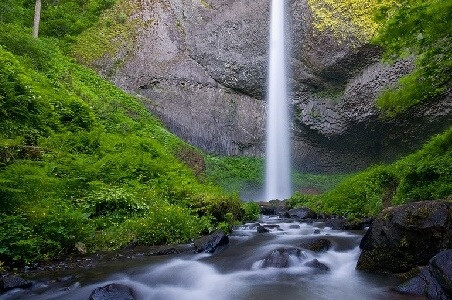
<point>336,223</point>
<point>271,226</point>
<point>441,267</point>
<point>13,282</point>
<point>113,292</point>
<point>274,208</point>
<point>316,264</point>
<point>433,281</point>
<point>280,258</point>
<point>316,245</point>
<point>302,213</point>
<point>267,210</point>
<point>262,229</point>
<point>167,251</point>
<point>212,242</point>
<point>406,236</point>
<point>344,224</point>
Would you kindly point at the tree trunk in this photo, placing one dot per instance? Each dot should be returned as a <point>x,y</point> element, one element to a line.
<point>37,18</point>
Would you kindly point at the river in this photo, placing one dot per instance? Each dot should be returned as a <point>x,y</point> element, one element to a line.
<point>239,270</point>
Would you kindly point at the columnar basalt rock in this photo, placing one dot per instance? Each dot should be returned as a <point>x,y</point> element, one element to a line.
<point>201,66</point>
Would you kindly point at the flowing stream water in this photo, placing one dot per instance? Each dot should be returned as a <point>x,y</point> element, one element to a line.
<point>278,183</point>
<point>237,271</point>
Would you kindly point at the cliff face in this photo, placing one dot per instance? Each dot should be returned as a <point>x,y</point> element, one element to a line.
<point>201,66</point>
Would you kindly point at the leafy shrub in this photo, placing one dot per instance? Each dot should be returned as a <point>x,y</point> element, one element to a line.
<point>165,224</point>
<point>18,240</point>
<point>251,211</point>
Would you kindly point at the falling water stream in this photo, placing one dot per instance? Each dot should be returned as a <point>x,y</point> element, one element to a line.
<point>278,183</point>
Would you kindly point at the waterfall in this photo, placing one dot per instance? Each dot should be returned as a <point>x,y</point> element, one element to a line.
<point>278,181</point>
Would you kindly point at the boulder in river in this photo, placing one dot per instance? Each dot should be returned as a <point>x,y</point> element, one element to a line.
<point>210,243</point>
<point>316,245</point>
<point>13,282</point>
<point>280,258</point>
<point>274,208</point>
<point>113,291</point>
<point>441,268</point>
<point>262,229</point>
<point>302,213</point>
<point>344,224</point>
<point>433,281</point>
<point>406,236</point>
<point>316,264</point>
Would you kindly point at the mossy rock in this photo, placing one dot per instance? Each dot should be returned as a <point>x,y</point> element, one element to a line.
<point>406,236</point>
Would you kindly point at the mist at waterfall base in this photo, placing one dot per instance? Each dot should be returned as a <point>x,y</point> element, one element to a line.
<point>277,170</point>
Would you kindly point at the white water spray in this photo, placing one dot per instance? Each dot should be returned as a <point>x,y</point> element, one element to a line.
<point>278,183</point>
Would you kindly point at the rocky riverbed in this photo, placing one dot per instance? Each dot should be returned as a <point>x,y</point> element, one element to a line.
<point>300,257</point>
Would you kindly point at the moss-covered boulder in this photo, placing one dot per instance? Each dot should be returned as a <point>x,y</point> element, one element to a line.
<point>406,236</point>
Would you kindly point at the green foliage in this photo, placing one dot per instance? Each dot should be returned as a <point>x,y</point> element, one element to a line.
<point>116,30</point>
<point>251,211</point>
<point>63,19</point>
<point>103,171</point>
<point>318,182</point>
<point>166,224</point>
<point>424,175</point>
<point>234,173</point>
<point>19,12</point>
<point>422,29</point>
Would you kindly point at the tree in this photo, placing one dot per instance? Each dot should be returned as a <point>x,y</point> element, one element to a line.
<point>37,18</point>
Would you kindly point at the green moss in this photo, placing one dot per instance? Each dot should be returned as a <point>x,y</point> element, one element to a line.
<point>205,4</point>
<point>349,19</point>
<point>115,31</point>
<point>382,260</point>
